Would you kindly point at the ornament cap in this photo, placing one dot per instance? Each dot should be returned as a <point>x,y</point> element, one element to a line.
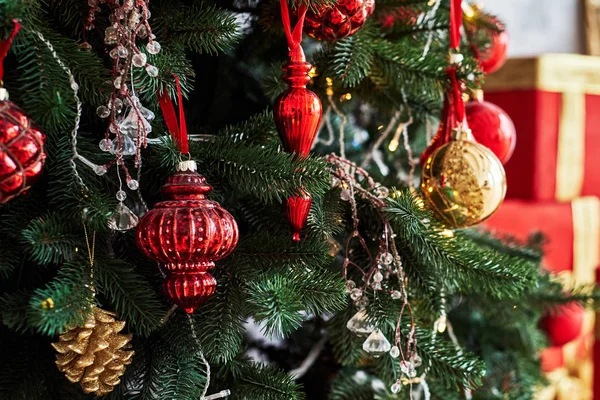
<point>477,95</point>
<point>186,185</point>
<point>461,134</point>
<point>188,165</point>
<point>3,94</point>
<point>296,73</point>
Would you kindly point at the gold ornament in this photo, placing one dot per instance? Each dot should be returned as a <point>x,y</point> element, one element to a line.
<point>463,182</point>
<point>95,354</point>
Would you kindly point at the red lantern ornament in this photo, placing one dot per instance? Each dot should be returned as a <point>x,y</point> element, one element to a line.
<point>564,324</point>
<point>21,145</point>
<point>187,233</point>
<point>297,113</point>
<point>492,127</point>
<point>21,151</point>
<point>338,21</point>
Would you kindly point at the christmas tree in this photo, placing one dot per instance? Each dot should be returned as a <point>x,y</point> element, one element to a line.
<point>107,291</point>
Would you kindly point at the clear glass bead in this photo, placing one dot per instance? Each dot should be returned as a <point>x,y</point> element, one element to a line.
<point>378,277</point>
<point>105,145</point>
<point>408,368</point>
<point>139,60</point>
<point>350,285</point>
<point>117,82</point>
<point>110,35</point>
<point>386,258</point>
<point>153,47</point>
<point>114,53</point>
<point>123,219</point>
<point>346,195</point>
<point>356,294</point>
<point>396,295</point>
<point>133,184</point>
<point>121,195</point>
<point>416,360</point>
<point>396,387</point>
<point>142,32</point>
<point>100,170</point>
<point>376,285</point>
<point>395,352</point>
<point>152,71</point>
<point>382,192</point>
<point>85,46</point>
<point>376,344</point>
<point>359,324</point>
<point>103,112</point>
<point>122,51</point>
<point>148,14</point>
<point>118,105</point>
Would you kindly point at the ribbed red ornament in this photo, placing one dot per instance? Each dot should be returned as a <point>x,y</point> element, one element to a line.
<point>492,127</point>
<point>297,113</point>
<point>21,152</point>
<point>187,233</point>
<point>341,20</point>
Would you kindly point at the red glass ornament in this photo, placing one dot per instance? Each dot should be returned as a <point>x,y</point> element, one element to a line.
<point>564,324</point>
<point>492,127</point>
<point>339,21</point>
<point>187,233</point>
<point>493,57</point>
<point>21,152</point>
<point>297,113</point>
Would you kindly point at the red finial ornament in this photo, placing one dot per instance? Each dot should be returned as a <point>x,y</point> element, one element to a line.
<point>21,145</point>
<point>186,232</point>
<point>297,113</point>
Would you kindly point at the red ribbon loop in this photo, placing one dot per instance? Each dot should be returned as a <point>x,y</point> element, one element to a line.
<point>294,36</point>
<point>455,23</point>
<point>177,129</point>
<point>456,96</point>
<point>5,46</point>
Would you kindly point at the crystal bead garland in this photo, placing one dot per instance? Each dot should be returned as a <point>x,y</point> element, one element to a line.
<point>376,344</point>
<point>128,121</point>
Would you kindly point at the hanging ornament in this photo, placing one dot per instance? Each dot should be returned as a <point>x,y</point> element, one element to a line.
<point>338,21</point>
<point>491,126</point>
<point>563,324</point>
<point>482,27</point>
<point>21,145</point>
<point>95,354</point>
<point>297,112</point>
<point>376,344</point>
<point>462,181</point>
<point>186,232</point>
<point>359,324</point>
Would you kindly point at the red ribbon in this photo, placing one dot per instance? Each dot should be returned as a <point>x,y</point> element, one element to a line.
<point>5,46</point>
<point>294,37</point>
<point>455,23</point>
<point>178,130</point>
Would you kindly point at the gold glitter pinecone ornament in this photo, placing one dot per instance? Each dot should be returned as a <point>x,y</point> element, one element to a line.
<point>95,354</point>
<point>463,182</point>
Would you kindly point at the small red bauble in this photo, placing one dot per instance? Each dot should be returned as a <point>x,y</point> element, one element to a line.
<point>493,57</point>
<point>21,152</point>
<point>297,112</point>
<point>187,233</point>
<point>492,127</point>
<point>339,21</point>
<point>564,324</point>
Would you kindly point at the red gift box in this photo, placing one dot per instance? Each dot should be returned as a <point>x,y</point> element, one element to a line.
<point>573,233</point>
<point>554,101</point>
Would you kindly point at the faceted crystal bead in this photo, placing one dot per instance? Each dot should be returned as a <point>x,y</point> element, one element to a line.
<point>416,360</point>
<point>114,53</point>
<point>376,285</point>
<point>408,368</point>
<point>139,60</point>
<point>356,294</point>
<point>396,387</point>
<point>110,35</point>
<point>117,82</point>
<point>103,112</point>
<point>350,285</point>
<point>378,277</point>
<point>376,344</point>
<point>142,32</point>
<point>123,219</point>
<point>382,192</point>
<point>133,184</point>
<point>122,51</point>
<point>395,352</point>
<point>346,195</point>
<point>100,170</point>
<point>359,324</point>
<point>386,258</point>
<point>396,295</point>
<point>152,71</point>
<point>121,195</point>
<point>106,145</point>
<point>153,47</point>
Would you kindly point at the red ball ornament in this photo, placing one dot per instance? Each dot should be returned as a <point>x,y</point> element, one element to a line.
<point>187,233</point>
<point>21,151</point>
<point>492,127</point>
<point>297,113</point>
<point>564,324</point>
<point>338,21</point>
<point>493,56</point>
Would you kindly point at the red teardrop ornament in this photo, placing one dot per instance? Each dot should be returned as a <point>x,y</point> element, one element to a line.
<point>187,233</point>
<point>297,113</point>
<point>492,127</point>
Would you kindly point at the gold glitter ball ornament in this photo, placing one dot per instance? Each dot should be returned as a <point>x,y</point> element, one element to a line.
<point>463,182</point>
<point>95,354</point>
